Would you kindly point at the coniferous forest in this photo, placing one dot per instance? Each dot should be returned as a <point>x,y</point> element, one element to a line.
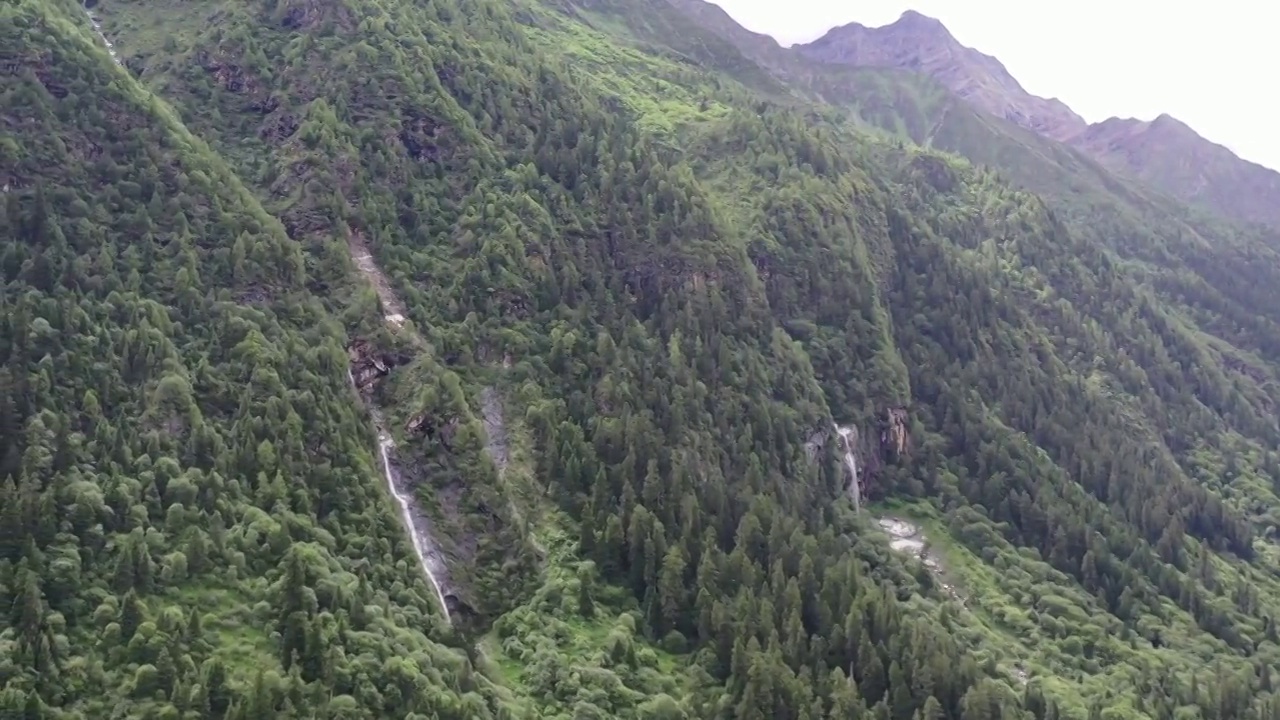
<point>465,359</point>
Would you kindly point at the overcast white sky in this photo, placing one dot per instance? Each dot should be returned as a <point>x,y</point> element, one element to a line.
<point>1214,65</point>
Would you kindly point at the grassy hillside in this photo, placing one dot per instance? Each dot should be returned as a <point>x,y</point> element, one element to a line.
<point>650,266</point>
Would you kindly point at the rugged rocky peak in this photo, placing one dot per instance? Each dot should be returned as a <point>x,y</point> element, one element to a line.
<point>1118,132</point>
<point>1171,130</point>
<point>923,44</point>
<point>910,39</point>
<point>1165,120</point>
<point>911,19</point>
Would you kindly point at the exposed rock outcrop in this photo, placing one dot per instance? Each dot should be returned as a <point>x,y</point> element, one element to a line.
<point>908,538</point>
<point>367,365</point>
<point>495,428</point>
<point>315,16</point>
<point>895,438</point>
<point>817,440</point>
<point>864,454</point>
<point>431,427</point>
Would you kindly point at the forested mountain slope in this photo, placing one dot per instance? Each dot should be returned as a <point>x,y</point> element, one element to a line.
<point>190,518</point>
<point>644,274</point>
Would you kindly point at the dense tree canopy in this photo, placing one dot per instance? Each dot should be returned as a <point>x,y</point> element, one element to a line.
<point>645,270</point>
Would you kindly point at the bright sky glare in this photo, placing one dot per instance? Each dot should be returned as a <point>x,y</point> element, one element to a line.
<point>1212,65</point>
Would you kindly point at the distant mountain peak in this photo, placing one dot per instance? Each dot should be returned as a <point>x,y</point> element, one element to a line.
<point>910,23</point>
<point>913,19</point>
<point>1165,151</point>
<point>923,44</point>
<point>1170,123</point>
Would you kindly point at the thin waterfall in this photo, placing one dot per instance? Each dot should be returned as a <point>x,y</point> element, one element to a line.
<point>415,523</point>
<point>97,27</point>
<point>851,462</point>
<point>422,545</point>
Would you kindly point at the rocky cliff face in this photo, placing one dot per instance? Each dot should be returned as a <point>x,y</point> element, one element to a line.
<point>1165,153</point>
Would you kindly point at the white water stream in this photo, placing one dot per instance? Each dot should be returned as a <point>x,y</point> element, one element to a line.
<point>97,26</point>
<point>851,462</point>
<point>414,521</point>
<point>420,546</point>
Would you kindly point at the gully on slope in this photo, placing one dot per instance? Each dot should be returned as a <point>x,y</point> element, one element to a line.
<point>415,521</point>
<point>97,27</point>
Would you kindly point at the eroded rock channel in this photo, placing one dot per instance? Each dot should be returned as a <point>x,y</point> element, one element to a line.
<point>367,369</point>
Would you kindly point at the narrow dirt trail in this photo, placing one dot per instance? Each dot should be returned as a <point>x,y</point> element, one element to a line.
<point>369,267</point>
<point>393,308</point>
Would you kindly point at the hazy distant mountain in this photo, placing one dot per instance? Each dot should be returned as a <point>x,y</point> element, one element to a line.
<point>1164,152</point>
<point>1168,154</point>
<point>922,44</point>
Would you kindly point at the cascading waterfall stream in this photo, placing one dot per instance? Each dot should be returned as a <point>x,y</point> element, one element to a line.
<point>406,512</point>
<point>422,545</point>
<point>414,522</point>
<point>851,462</point>
<point>97,26</point>
<point>417,536</point>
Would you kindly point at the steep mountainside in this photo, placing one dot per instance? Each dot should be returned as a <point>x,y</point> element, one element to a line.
<point>1171,156</point>
<point>1164,152</point>
<point>657,337</point>
<point>191,523</point>
<point>921,44</point>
